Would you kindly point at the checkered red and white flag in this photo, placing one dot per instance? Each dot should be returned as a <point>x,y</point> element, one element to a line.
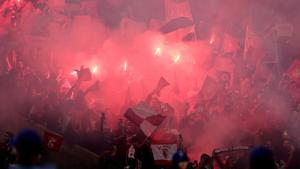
<point>145,118</point>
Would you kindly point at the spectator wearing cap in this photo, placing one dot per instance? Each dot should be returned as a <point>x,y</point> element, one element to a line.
<point>180,160</point>
<point>29,147</point>
<point>262,158</point>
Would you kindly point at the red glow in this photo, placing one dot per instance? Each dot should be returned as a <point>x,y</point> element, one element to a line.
<point>125,66</point>
<point>129,61</point>
<point>212,39</point>
<point>177,58</point>
<point>95,70</point>
<point>158,51</point>
<point>74,73</point>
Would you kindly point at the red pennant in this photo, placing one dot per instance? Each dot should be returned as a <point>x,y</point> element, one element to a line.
<point>52,141</point>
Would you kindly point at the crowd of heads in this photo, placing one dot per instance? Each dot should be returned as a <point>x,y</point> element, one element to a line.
<point>228,88</point>
<point>39,98</point>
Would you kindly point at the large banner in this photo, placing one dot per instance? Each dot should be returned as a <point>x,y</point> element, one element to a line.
<point>163,153</point>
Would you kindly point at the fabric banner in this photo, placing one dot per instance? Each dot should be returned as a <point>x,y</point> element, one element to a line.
<point>162,83</point>
<point>145,118</point>
<point>164,144</point>
<point>52,141</point>
<point>163,153</point>
<point>209,88</point>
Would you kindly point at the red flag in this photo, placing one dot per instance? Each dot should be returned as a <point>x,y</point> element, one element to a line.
<point>52,141</point>
<point>209,88</point>
<point>162,83</point>
<point>294,71</point>
<point>84,74</point>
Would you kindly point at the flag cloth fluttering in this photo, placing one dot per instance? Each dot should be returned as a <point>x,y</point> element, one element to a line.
<point>52,141</point>
<point>162,83</point>
<point>84,74</point>
<point>145,118</point>
<point>209,88</point>
<point>164,144</point>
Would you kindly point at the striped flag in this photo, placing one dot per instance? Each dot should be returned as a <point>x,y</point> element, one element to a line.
<point>145,118</point>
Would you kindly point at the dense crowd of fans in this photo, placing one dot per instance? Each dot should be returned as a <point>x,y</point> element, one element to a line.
<point>42,99</point>
<point>256,94</point>
<point>25,150</point>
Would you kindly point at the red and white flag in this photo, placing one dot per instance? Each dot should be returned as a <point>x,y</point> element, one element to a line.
<point>163,153</point>
<point>145,118</point>
<point>164,144</point>
<point>52,141</point>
